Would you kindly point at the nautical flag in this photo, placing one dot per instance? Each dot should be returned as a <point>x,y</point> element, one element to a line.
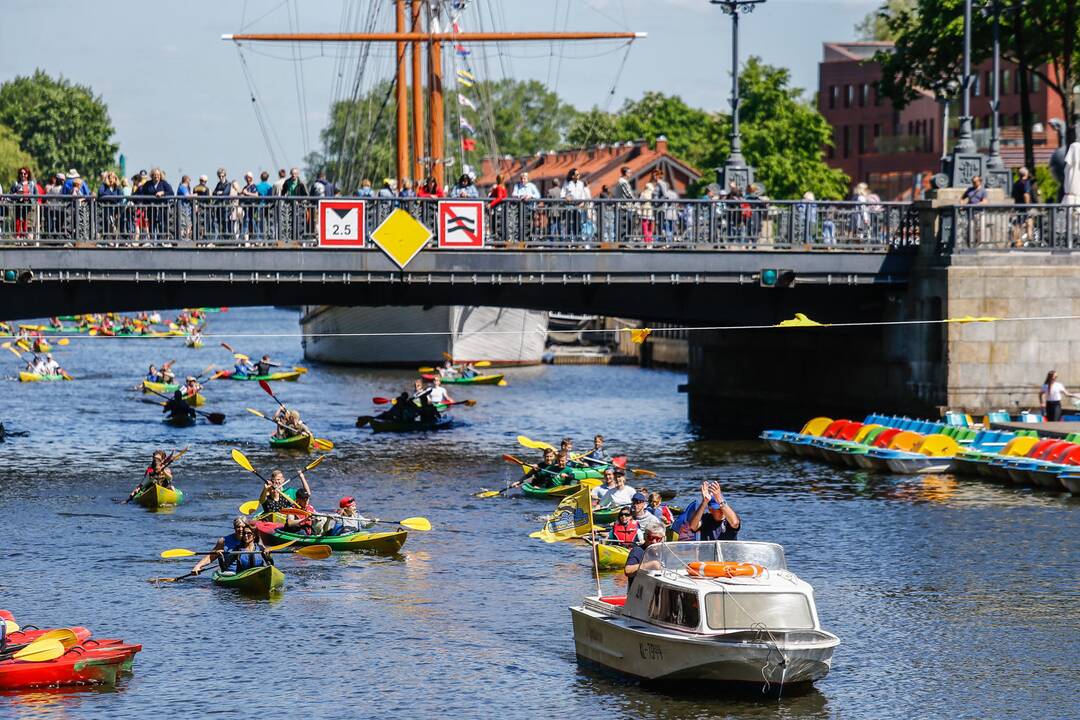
<point>462,50</point>
<point>466,126</point>
<point>465,78</point>
<point>572,519</point>
<point>639,336</point>
<point>462,100</point>
<point>468,144</point>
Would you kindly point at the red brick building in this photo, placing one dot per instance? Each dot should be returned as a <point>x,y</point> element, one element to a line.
<point>896,151</point>
<point>599,167</point>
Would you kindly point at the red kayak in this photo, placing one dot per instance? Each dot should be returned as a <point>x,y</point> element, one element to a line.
<point>75,667</point>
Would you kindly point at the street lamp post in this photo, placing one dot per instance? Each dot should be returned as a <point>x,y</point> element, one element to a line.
<point>735,169</point>
<point>966,161</point>
<point>997,174</point>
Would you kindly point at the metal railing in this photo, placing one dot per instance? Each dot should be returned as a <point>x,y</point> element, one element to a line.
<point>1013,227</point>
<point>229,222</point>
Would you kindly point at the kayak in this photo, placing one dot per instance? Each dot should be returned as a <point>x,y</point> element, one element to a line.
<point>258,581</point>
<point>377,542</point>
<point>38,377</point>
<point>611,557</point>
<point>42,346</point>
<point>553,492</point>
<point>409,425</point>
<point>297,442</point>
<point>155,496</point>
<point>75,667</point>
<point>194,344</point>
<point>291,376</point>
<point>169,389</point>
<point>113,645</point>
<point>475,380</point>
<point>180,421</point>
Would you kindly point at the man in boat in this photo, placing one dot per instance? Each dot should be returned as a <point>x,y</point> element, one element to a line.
<point>397,409</point>
<point>263,366</point>
<point>645,519</point>
<point>243,367</point>
<point>51,366</point>
<point>191,387</point>
<point>302,525</point>
<point>720,522</point>
<point>177,407</point>
<point>242,539</point>
<point>36,366</point>
<point>620,495</point>
<point>419,391</point>
<point>635,560</point>
<point>158,472</point>
<point>448,370</point>
<point>596,456</point>
<point>428,414</point>
<point>437,392</point>
<point>348,520</point>
<point>609,484</point>
<point>167,375</point>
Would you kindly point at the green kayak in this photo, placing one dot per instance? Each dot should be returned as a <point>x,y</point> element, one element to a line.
<point>257,581</point>
<point>297,442</point>
<point>553,492</point>
<point>377,542</point>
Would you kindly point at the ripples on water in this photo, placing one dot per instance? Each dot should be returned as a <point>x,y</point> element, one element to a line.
<point>952,597</point>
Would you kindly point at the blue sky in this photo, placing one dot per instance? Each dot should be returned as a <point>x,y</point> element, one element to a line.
<point>179,99</point>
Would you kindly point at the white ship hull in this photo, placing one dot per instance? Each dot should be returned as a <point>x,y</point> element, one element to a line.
<point>370,335</point>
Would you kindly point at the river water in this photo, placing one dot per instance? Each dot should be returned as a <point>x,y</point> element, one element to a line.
<point>952,597</point>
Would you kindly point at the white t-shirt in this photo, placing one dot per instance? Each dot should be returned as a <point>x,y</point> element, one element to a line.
<point>647,519</point>
<point>617,497</point>
<point>437,395</point>
<point>1054,392</point>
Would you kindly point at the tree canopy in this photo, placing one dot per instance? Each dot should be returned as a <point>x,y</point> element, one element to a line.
<point>875,26</point>
<point>12,157</point>
<point>59,124</point>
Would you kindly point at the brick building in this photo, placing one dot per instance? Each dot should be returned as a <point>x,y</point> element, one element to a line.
<point>895,151</point>
<point>599,167</point>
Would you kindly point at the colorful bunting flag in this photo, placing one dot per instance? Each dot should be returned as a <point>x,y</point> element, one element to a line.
<point>466,126</point>
<point>462,100</point>
<point>465,78</point>
<point>468,144</point>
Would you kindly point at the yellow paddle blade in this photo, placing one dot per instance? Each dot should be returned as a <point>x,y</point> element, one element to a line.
<point>448,356</point>
<point>10,626</point>
<point>249,507</point>
<point>322,443</point>
<point>41,651</point>
<point>482,363</point>
<point>63,341</point>
<point>416,523</point>
<point>177,552</point>
<point>501,383</point>
<point>239,459</point>
<point>282,546</point>
<point>300,370</point>
<point>488,494</point>
<point>93,331</point>
<point>67,637</point>
<point>425,370</point>
<point>318,552</point>
<point>315,463</point>
<point>240,356</point>
<point>590,482</point>
<point>7,346</point>
<point>534,444</point>
<point>643,473</point>
<point>255,412</point>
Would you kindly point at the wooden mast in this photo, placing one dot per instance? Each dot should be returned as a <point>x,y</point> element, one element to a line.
<point>402,166</point>
<point>434,39</point>
<point>417,96</point>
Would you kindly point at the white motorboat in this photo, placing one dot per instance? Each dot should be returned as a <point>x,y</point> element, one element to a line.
<point>686,620</point>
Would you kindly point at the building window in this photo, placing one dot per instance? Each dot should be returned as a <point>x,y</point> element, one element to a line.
<point>989,82</point>
<point>864,94</point>
<point>877,95</point>
<point>1035,84</point>
<point>846,133</point>
<point>1006,77</point>
<point>832,97</point>
<point>849,95</point>
<point>877,130</point>
<point>862,139</point>
<point>929,144</point>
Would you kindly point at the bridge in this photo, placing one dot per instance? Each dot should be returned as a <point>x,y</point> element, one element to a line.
<point>694,262</point>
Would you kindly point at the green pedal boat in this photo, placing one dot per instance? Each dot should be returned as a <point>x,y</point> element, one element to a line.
<point>386,543</point>
<point>257,581</point>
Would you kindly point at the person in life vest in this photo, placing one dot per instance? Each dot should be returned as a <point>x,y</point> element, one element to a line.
<point>625,530</point>
<point>635,561</point>
<point>241,550</point>
<point>191,387</point>
<point>158,472</point>
<point>177,407</point>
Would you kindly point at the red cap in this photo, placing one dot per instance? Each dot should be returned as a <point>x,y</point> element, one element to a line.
<point>347,501</point>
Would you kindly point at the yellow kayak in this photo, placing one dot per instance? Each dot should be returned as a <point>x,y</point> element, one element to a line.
<point>155,496</point>
<point>611,557</point>
<point>36,377</point>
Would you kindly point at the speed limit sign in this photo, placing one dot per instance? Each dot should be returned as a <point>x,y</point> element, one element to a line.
<point>341,224</point>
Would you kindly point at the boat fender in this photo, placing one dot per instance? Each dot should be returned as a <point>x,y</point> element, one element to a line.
<point>725,569</point>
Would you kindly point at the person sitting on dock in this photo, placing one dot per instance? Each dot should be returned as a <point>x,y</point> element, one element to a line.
<point>263,366</point>
<point>243,367</point>
<point>625,530</point>
<point>620,495</point>
<point>597,455</point>
<point>437,392</point>
<point>158,473</point>
<point>644,518</point>
<point>635,561</point>
<point>178,408</point>
<point>721,522</point>
<point>229,543</point>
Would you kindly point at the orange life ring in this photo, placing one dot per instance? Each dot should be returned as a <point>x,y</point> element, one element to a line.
<point>725,569</point>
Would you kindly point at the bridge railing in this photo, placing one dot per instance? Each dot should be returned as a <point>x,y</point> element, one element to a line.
<point>1013,227</point>
<point>227,222</point>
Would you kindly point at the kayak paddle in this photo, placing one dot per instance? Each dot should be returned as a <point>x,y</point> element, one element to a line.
<point>249,507</point>
<point>40,651</point>
<point>240,459</point>
<point>533,444</point>
<point>252,505</point>
<point>393,401</point>
<point>320,443</point>
<point>308,551</point>
<point>270,391</point>
<point>414,523</point>
<point>66,636</point>
<point>492,493</point>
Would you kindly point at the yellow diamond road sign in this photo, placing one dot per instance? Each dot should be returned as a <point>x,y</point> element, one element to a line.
<point>401,236</point>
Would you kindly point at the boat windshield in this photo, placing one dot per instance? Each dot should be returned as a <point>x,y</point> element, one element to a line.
<point>675,556</point>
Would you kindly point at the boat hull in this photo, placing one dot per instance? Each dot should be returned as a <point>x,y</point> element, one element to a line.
<point>476,380</point>
<point>920,464</point>
<point>626,647</point>
<point>386,543</point>
<point>257,581</point>
<point>297,442</point>
<point>156,496</point>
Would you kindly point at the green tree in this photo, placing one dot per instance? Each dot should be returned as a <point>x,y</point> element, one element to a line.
<point>875,26</point>
<point>692,133</point>
<point>593,127</point>
<point>358,142</point>
<point>60,124</point>
<point>12,157</point>
<point>513,117</point>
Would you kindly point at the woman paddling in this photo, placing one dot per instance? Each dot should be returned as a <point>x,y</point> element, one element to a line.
<point>1050,396</point>
<point>274,498</point>
<point>242,550</point>
<point>158,473</point>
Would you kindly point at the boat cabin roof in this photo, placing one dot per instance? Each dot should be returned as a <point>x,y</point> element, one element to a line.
<point>675,556</point>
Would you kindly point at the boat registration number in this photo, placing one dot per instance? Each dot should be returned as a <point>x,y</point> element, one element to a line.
<point>650,652</point>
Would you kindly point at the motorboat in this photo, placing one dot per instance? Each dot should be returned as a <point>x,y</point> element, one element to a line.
<point>725,611</point>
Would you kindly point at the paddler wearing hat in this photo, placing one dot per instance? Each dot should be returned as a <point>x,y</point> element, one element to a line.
<point>191,387</point>
<point>243,366</point>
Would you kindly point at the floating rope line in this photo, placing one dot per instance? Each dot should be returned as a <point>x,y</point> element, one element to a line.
<point>800,321</point>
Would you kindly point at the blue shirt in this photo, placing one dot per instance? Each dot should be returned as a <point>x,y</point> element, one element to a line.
<point>264,188</point>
